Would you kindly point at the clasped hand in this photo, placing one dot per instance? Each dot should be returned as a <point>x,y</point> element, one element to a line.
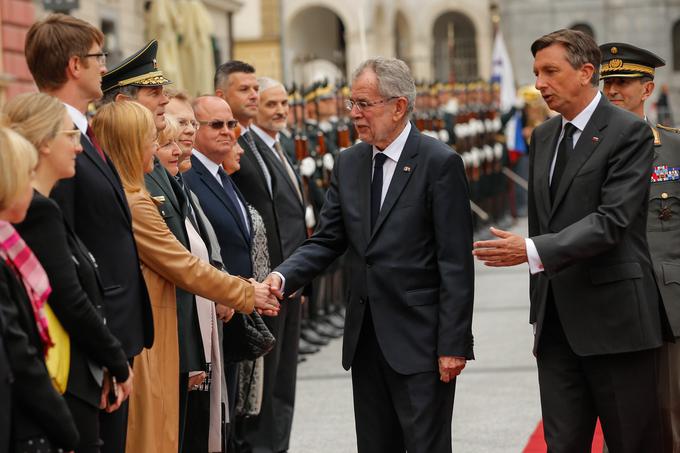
<point>266,302</point>
<point>509,250</point>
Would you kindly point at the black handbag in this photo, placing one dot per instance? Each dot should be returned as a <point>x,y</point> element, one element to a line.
<point>246,337</point>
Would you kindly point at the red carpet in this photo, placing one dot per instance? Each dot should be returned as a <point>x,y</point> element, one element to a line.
<point>536,442</point>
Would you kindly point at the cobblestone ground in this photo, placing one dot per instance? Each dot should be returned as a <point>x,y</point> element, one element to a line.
<point>497,404</point>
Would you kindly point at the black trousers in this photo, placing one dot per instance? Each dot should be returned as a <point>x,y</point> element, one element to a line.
<point>620,389</point>
<point>197,427</point>
<point>86,418</point>
<point>270,431</point>
<point>113,429</point>
<point>395,412</point>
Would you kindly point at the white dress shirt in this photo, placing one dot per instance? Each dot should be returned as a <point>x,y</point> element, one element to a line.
<point>392,152</point>
<point>267,139</point>
<point>580,122</point>
<point>213,168</point>
<point>78,118</point>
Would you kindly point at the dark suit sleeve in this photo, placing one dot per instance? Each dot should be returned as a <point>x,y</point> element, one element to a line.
<point>32,389</point>
<point>328,242</point>
<point>621,199</point>
<point>531,208</point>
<point>44,231</point>
<point>452,221</point>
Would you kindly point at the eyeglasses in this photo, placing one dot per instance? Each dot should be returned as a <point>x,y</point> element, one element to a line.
<point>184,123</point>
<point>219,124</point>
<point>363,105</point>
<point>74,134</point>
<point>101,57</point>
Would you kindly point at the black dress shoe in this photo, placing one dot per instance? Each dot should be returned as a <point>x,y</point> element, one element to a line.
<point>310,336</point>
<point>305,347</point>
<point>326,330</point>
<point>336,320</point>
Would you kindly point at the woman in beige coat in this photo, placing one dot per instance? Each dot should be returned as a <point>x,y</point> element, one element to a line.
<point>126,131</point>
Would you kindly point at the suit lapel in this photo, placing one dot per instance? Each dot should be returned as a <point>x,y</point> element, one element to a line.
<point>586,145</point>
<point>215,187</point>
<point>544,158</point>
<point>399,179</point>
<point>274,163</point>
<point>364,175</point>
<point>109,171</point>
<point>159,176</point>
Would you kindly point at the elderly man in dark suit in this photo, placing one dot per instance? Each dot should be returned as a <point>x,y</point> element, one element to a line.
<point>594,301</point>
<point>398,204</point>
<point>93,201</point>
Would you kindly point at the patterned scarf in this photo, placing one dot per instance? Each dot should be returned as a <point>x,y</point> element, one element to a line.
<point>19,256</point>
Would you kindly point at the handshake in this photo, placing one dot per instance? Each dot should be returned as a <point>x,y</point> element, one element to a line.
<point>267,295</point>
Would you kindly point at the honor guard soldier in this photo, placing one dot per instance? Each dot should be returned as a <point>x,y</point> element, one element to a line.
<point>628,75</point>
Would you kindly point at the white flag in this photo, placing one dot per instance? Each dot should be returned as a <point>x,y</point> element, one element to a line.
<point>501,72</point>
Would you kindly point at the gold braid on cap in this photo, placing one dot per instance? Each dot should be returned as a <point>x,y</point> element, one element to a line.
<point>617,65</point>
<point>151,78</point>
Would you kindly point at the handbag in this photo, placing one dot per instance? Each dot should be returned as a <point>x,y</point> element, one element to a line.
<point>246,337</point>
<point>58,358</point>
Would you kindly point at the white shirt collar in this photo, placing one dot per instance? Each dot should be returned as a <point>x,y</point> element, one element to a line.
<point>79,119</point>
<point>209,164</point>
<point>394,149</point>
<point>581,120</point>
<point>266,138</point>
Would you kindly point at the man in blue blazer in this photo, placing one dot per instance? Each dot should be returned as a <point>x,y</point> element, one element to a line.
<point>398,205</point>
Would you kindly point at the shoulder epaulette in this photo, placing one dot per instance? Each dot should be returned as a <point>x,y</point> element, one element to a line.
<point>655,133</point>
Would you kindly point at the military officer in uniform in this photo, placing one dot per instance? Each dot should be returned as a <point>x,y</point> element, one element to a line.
<point>627,73</point>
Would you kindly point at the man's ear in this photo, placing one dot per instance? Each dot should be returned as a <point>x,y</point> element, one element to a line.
<point>74,67</point>
<point>648,89</point>
<point>587,71</point>
<point>401,108</point>
<point>219,92</point>
<point>122,97</point>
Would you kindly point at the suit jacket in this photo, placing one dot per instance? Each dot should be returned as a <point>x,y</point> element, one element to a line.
<point>289,208</point>
<point>235,242</point>
<point>37,409</point>
<point>250,181</point>
<point>94,204</point>
<point>166,263</point>
<point>76,298</point>
<point>415,269</point>
<point>174,211</point>
<point>592,239</point>
<point>5,387</point>
<point>663,223</point>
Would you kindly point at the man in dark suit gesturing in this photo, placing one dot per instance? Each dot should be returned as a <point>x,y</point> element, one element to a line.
<point>594,303</point>
<point>398,204</point>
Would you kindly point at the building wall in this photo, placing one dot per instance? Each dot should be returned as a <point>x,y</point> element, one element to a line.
<point>264,55</point>
<point>17,17</point>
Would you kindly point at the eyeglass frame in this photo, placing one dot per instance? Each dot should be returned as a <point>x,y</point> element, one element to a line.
<point>184,123</point>
<point>231,124</point>
<point>100,56</point>
<point>74,133</point>
<point>349,103</point>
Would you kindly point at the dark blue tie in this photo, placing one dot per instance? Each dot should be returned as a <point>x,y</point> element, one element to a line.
<point>376,187</point>
<point>228,185</point>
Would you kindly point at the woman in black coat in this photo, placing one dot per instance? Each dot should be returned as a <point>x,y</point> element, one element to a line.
<point>39,419</point>
<point>76,289</point>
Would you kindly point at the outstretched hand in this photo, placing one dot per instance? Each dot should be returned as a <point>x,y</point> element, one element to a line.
<point>274,282</point>
<point>509,250</point>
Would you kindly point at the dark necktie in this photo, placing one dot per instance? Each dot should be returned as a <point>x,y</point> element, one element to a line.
<point>376,187</point>
<point>231,194</point>
<point>247,135</point>
<point>564,151</point>
<point>187,194</point>
<point>90,134</point>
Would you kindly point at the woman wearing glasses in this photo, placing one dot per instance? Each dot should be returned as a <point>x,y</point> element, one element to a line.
<point>76,291</point>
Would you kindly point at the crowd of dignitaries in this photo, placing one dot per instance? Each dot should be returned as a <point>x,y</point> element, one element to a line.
<point>167,261</point>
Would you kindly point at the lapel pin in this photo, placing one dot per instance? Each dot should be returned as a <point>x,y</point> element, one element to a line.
<point>407,169</point>
<point>596,139</point>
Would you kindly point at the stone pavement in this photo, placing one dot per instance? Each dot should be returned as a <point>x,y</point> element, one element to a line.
<point>497,403</point>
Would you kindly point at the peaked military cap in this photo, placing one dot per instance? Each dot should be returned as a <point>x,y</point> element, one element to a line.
<point>140,69</point>
<point>625,60</point>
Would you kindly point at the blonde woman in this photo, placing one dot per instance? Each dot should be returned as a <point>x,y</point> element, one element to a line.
<point>39,418</point>
<point>77,294</point>
<point>169,151</point>
<point>127,131</point>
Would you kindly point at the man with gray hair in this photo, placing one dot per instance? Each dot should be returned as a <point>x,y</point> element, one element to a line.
<point>398,205</point>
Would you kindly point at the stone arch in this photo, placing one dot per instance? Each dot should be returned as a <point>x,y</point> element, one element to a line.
<point>402,37</point>
<point>454,52</point>
<point>314,38</point>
